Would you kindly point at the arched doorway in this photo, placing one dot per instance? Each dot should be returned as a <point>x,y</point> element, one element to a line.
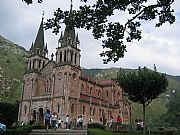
<point>41,115</point>
<point>34,115</point>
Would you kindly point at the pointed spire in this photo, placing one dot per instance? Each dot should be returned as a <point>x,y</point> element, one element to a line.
<point>69,33</point>
<point>39,42</point>
<point>32,47</point>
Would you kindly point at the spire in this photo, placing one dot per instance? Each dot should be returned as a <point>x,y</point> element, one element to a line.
<point>69,33</point>
<point>32,47</point>
<point>39,42</point>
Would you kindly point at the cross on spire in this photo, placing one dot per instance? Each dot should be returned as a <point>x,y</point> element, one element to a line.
<point>71,6</point>
<point>43,15</point>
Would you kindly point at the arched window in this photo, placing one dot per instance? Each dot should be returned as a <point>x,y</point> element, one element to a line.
<point>34,115</point>
<point>71,56</point>
<point>94,111</point>
<point>90,90</point>
<point>84,110</point>
<point>72,108</point>
<point>25,109</point>
<point>60,57</point>
<point>75,58</point>
<point>99,93</point>
<point>29,64</point>
<point>118,95</point>
<point>39,63</point>
<point>33,64</point>
<point>100,112</point>
<point>82,87</point>
<point>107,93</point>
<point>65,55</point>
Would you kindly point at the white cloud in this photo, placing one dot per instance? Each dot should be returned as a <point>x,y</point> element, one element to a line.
<point>19,23</point>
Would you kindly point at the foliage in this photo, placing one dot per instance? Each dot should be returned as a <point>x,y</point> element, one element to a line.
<point>143,86</point>
<point>117,34</point>
<point>173,113</point>
<point>96,125</point>
<point>9,113</point>
<point>22,130</point>
<point>96,17</point>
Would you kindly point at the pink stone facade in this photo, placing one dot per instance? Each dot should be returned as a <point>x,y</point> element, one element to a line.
<point>57,85</point>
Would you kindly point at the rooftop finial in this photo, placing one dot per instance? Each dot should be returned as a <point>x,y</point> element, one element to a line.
<point>43,15</point>
<point>71,6</point>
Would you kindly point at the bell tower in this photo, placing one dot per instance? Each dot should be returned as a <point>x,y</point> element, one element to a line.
<point>68,51</point>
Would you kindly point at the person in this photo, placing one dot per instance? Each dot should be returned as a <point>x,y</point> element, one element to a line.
<point>141,125</point>
<point>90,121</point>
<point>59,122</point>
<point>119,122</point>
<point>47,119</point>
<point>111,122</point>
<point>67,122</point>
<point>138,125</point>
<point>80,122</point>
<point>54,120</point>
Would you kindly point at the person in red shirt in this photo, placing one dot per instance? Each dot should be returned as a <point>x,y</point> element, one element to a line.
<point>119,122</point>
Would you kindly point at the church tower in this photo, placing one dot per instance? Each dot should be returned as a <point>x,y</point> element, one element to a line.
<point>38,52</point>
<point>67,72</point>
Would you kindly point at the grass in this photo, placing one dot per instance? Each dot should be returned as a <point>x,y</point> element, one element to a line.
<point>94,131</point>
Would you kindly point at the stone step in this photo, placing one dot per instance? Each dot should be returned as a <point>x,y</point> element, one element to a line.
<point>57,132</point>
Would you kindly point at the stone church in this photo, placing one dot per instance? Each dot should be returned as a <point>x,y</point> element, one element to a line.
<point>57,85</point>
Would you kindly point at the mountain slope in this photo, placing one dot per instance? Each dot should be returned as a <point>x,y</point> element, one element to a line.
<point>12,61</point>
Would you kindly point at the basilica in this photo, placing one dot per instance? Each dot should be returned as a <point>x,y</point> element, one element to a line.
<point>57,85</point>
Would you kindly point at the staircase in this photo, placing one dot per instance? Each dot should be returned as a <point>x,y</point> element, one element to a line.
<point>57,132</point>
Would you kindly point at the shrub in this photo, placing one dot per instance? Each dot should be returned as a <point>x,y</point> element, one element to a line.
<point>96,125</point>
<point>22,130</point>
<point>38,126</point>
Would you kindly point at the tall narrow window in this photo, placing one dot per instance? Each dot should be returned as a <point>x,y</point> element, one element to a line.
<point>65,55</point>
<point>90,90</point>
<point>33,64</point>
<point>60,56</point>
<point>71,56</point>
<point>25,109</point>
<point>29,64</point>
<point>75,58</point>
<point>82,87</point>
<point>94,111</point>
<point>72,108</point>
<point>84,110</point>
<point>39,63</point>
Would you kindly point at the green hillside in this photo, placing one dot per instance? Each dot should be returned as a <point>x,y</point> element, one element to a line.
<point>12,62</point>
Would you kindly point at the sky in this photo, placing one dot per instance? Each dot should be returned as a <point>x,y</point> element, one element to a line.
<point>20,22</point>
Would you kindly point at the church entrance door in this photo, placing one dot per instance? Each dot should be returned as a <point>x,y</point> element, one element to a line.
<point>41,115</point>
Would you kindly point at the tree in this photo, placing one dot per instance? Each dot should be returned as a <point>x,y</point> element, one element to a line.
<point>142,86</point>
<point>116,34</point>
<point>173,113</point>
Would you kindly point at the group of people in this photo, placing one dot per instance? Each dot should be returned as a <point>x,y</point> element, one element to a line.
<point>53,121</point>
<point>139,125</point>
<point>118,122</point>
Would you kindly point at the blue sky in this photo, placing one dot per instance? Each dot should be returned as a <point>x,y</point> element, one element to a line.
<point>161,46</point>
